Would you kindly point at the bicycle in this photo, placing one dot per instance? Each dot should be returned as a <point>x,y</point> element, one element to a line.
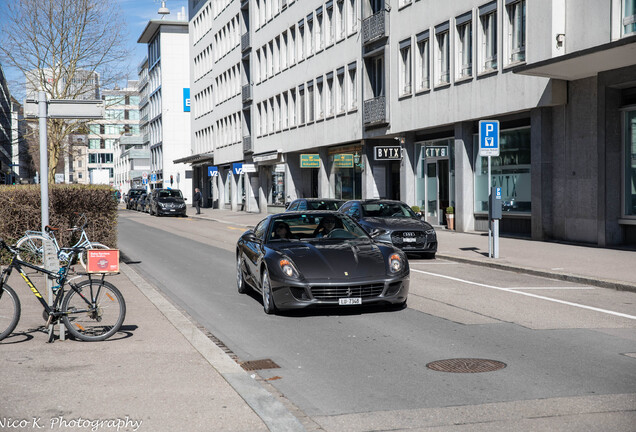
<point>91,310</point>
<point>31,245</point>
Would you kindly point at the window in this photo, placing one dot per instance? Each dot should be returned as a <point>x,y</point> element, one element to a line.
<point>329,24</point>
<point>630,162</point>
<point>464,25</point>
<point>301,105</point>
<point>320,111</point>
<point>405,67</point>
<point>292,46</point>
<point>292,108</point>
<point>342,98</point>
<point>516,37</point>
<point>320,44</point>
<point>300,45</point>
<point>423,71</point>
<point>353,16</point>
<point>510,171</point>
<point>310,101</point>
<point>342,26</point>
<point>309,49</point>
<point>330,99</point>
<point>488,37</point>
<point>353,93</point>
<point>442,64</point>
<point>629,16</point>
<point>284,52</point>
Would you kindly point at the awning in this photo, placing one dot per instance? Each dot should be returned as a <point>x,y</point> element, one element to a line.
<point>269,158</point>
<point>196,159</point>
<point>585,63</point>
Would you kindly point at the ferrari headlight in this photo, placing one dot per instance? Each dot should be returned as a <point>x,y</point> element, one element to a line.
<point>288,268</point>
<point>396,263</point>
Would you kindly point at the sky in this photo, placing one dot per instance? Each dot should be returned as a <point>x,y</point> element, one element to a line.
<point>137,13</point>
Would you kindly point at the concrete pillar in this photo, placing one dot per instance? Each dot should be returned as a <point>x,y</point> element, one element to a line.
<point>464,175</point>
<point>541,173</point>
<point>325,189</point>
<point>407,170</point>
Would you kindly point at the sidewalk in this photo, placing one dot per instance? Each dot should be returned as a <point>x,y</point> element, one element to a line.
<point>160,373</point>
<point>609,268</point>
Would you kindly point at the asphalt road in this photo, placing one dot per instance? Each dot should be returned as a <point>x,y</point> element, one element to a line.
<point>568,344</point>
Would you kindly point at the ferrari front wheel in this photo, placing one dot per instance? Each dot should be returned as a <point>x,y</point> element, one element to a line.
<point>268,299</point>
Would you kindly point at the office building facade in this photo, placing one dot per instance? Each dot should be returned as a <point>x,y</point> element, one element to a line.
<point>377,99</point>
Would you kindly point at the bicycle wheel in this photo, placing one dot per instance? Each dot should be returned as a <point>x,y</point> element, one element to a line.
<point>94,245</point>
<point>93,310</point>
<point>31,249</point>
<point>9,311</point>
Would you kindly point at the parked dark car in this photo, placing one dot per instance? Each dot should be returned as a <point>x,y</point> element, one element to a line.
<point>302,204</point>
<point>140,202</point>
<point>166,202</point>
<point>318,258</point>
<point>394,222</point>
<point>131,197</point>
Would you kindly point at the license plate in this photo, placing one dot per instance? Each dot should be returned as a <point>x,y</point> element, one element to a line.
<point>172,210</point>
<point>409,240</point>
<point>350,301</point>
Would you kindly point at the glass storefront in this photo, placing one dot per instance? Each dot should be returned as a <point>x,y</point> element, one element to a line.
<point>346,172</point>
<point>227,189</point>
<point>277,197</point>
<point>435,179</point>
<point>630,163</point>
<point>510,171</point>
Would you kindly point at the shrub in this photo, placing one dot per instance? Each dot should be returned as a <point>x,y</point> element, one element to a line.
<point>450,210</point>
<point>416,209</point>
<point>20,210</point>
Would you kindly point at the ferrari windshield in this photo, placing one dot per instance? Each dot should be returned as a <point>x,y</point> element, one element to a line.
<point>314,226</point>
<point>387,210</point>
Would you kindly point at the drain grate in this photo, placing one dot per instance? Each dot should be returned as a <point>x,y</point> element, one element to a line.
<point>252,365</point>
<point>466,365</point>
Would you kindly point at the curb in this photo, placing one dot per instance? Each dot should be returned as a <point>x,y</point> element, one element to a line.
<point>270,410</point>
<point>601,283</point>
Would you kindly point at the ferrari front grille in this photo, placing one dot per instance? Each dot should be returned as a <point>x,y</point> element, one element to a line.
<point>336,292</point>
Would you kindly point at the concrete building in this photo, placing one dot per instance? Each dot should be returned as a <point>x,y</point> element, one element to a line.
<point>371,98</point>
<point>121,117</point>
<point>132,159</point>
<point>165,103</point>
<point>22,162</point>
<point>6,145</point>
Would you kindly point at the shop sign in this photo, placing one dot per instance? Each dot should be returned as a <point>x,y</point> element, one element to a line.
<point>343,160</point>
<point>237,167</point>
<point>381,153</point>
<point>213,171</point>
<point>436,151</point>
<point>249,168</point>
<point>310,161</point>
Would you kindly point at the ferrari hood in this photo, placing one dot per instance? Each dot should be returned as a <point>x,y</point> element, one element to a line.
<point>328,260</point>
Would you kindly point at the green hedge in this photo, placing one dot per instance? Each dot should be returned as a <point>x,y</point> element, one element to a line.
<point>20,210</point>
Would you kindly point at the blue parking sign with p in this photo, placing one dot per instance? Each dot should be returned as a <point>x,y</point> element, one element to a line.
<point>489,138</point>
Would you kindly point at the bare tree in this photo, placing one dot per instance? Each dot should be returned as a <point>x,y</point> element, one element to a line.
<point>68,49</point>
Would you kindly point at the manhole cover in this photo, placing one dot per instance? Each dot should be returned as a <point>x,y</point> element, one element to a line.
<point>466,365</point>
<point>253,365</point>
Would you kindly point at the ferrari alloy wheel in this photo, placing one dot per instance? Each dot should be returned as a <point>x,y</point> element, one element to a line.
<point>268,298</point>
<point>240,281</point>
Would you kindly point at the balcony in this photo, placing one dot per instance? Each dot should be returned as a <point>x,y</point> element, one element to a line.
<point>374,111</point>
<point>375,27</point>
<point>247,144</point>
<point>246,42</point>
<point>247,93</point>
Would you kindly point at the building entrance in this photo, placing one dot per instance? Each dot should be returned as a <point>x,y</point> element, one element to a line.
<point>435,185</point>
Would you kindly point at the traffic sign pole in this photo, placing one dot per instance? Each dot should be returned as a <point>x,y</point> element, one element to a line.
<point>489,146</point>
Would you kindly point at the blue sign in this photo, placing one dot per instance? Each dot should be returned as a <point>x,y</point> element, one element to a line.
<point>153,178</point>
<point>213,171</point>
<point>489,138</point>
<point>144,181</point>
<point>237,168</point>
<point>186,100</point>
<point>498,193</point>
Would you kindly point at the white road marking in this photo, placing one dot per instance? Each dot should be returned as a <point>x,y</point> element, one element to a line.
<point>556,288</point>
<point>514,291</point>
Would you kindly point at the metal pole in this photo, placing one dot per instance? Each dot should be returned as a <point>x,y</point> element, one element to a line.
<point>489,222</point>
<point>44,170</point>
<point>495,224</point>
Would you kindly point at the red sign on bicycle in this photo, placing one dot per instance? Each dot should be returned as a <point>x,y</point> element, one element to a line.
<point>102,261</point>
